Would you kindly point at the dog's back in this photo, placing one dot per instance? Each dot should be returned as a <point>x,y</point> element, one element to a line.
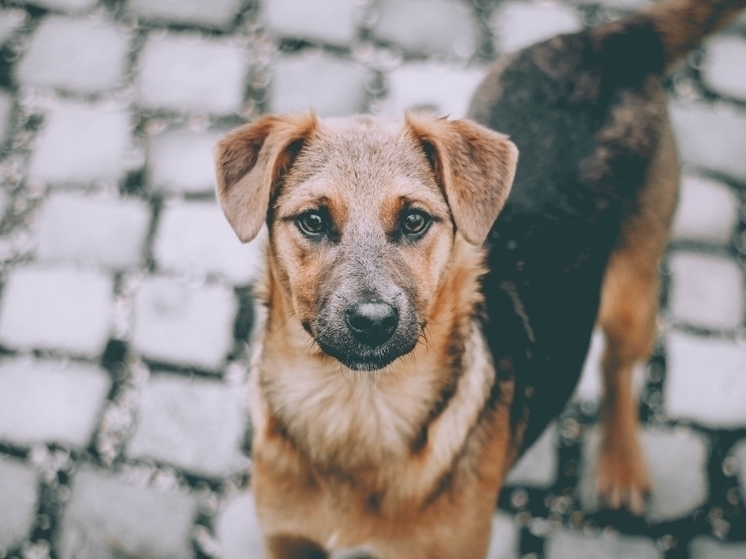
<point>587,112</point>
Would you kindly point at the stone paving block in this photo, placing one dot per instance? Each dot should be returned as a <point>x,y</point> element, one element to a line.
<point>709,548</point>
<point>195,238</point>
<point>427,26</point>
<point>707,211</point>
<point>711,138</point>
<point>104,230</point>
<point>6,109</point>
<point>705,380</point>
<point>74,54</point>
<point>325,21</point>
<point>10,21</point>
<point>567,544</point>
<point>676,461</point>
<point>237,528</point>
<point>191,73</point>
<point>706,290</point>
<point>518,24</point>
<point>4,199</point>
<point>81,143</point>
<point>181,161</point>
<point>504,539</point>
<point>589,387</point>
<point>56,308</point>
<point>724,68</point>
<point>538,466</point>
<point>739,451</point>
<point>47,401</point>
<point>330,85</point>
<point>197,425</point>
<point>447,91</point>
<point>65,5</point>
<point>110,518</point>
<point>18,491</point>
<point>210,13</point>
<point>182,324</point>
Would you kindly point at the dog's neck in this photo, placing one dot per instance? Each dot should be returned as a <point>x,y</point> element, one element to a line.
<point>346,422</point>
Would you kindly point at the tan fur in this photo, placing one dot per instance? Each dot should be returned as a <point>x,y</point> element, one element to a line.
<point>344,459</point>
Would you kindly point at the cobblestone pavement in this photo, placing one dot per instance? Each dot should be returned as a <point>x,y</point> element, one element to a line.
<point>125,301</point>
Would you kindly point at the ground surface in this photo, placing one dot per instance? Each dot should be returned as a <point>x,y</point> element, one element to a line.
<point>125,303</point>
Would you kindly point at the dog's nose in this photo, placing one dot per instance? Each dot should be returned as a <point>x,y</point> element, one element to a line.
<point>373,322</point>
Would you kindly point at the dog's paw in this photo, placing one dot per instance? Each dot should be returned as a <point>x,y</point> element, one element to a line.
<point>622,480</point>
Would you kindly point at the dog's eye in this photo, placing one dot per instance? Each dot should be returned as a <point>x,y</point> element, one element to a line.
<point>415,223</point>
<point>312,224</point>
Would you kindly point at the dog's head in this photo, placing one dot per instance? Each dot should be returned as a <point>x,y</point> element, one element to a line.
<point>362,216</point>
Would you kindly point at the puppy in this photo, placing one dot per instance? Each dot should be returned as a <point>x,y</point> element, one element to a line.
<point>414,343</point>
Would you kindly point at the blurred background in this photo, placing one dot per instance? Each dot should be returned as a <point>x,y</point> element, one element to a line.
<point>125,300</point>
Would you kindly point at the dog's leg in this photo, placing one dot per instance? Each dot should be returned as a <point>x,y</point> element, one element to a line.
<point>627,317</point>
<point>286,547</point>
<point>629,303</point>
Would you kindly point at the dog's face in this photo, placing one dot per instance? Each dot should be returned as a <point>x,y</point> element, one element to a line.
<point>362,216</point>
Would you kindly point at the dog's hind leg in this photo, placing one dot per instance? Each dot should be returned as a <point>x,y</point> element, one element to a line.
<point>629,304</point>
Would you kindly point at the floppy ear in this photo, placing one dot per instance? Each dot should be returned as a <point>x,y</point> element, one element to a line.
<point>249,163</point>
<point>473,165</point>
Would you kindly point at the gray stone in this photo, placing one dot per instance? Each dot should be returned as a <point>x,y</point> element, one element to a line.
<point>330,85</point>
<point>504,539</point>
<point>196,425</point>
<point>739,451</point>
<point>45,401</point>
<point>676,461</point>
<point>182,161</point>
<point>711,138</point>
<point>56,308</point>
<point>19,492</point>
<point>81,144</point>
<point>724,68</point>
<point>93,229</point>
<point>65,5</point>
<point>195,238</point>
<point>705,381</point>
<point>211,13</point>
<point>427,26</point>
<point>706,291</point>
<point>6,109</point>
<point>447,91</point>
<point>109,517</point>
<point>237,528</point>
<point>538,466</point>
<point>191,73</point>
<point>707,211</point>
<point>324,21</point>
<point>709,548</point>
<point>182,324</point>
<point>567,544</point>
<point>74,54</point>
<point>589,387</point>
<point>519,24</point>
<point>10,21</point>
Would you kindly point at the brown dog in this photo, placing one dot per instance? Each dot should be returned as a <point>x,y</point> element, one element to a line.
<point>403,363</point>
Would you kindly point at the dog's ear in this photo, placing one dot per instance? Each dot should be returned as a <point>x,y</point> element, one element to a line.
<point>473,165</point>
<point>251,160</point>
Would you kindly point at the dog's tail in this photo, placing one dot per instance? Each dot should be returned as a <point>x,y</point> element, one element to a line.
<point>683,24</point>
<point>678,25</point>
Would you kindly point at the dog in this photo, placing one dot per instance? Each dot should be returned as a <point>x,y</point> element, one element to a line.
<point>412,343</point>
